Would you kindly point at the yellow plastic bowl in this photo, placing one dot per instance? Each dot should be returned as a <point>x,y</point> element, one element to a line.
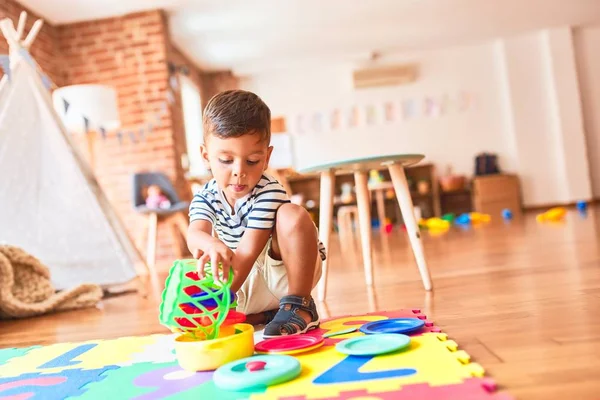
<point>206,355</point>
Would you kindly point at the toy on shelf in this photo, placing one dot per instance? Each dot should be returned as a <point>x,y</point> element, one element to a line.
<point>156,199</point>
<point>375,176</point>
<point>347,196</point>
<point>203,310</point>
<point>553,214</point>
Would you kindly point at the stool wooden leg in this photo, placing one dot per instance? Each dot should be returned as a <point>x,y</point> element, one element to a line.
<point>325,226</point>
<point>152,232</point>
<point>406,206</point>
<point>364,222</point>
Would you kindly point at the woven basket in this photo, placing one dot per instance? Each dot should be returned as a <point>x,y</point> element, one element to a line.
<point>452,183</point>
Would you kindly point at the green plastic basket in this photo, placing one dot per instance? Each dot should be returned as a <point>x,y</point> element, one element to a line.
<point>194,305</point>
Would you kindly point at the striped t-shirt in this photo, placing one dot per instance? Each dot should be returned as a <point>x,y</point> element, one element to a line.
<point>256,210</point>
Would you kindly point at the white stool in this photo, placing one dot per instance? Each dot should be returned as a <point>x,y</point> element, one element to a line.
<point>360,168</point>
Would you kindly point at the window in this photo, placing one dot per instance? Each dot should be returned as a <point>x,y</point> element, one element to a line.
<point>192,119</point>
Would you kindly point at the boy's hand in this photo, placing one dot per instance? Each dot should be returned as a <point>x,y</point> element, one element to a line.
<point>220,257</point>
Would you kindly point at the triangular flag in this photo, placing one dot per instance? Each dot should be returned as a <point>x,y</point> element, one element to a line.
<point>132,137</point>
<point>170,96</point>
<point>5,65</point>
<point>163,108</point>
<point>86,123</point>
<point>103,132</point>
<point>173,82</point>
<point>66,105</point>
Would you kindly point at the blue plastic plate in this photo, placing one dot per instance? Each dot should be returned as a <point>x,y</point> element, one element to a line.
<point>370,345</point>
<point>393,325</point>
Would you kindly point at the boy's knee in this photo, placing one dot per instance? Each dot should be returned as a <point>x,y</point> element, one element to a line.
<point>292,218</point>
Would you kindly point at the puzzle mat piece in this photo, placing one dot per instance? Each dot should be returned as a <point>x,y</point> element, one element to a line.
<point>145,381</point>
<point>470,389</point>
<point>84,355</point>
<point>8,354</point>
<point>431,358</point>
<point>50,386</point>
<point>160,351</point>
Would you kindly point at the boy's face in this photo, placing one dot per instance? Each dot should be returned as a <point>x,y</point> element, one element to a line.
<point>237,164</point>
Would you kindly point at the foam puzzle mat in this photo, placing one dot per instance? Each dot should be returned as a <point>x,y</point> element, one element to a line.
<point>145,368</point>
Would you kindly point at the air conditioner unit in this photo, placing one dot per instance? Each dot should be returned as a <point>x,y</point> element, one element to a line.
<point>384,76</point>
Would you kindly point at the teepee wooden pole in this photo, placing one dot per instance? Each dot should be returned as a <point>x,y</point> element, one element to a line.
<point>35,29</point>
<point>21,25</point>
<point>8,31</point>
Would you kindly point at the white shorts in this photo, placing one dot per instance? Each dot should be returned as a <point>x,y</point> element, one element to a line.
<point>267,283</point>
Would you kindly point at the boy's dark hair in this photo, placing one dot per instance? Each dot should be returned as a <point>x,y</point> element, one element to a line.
<point>234,113</point>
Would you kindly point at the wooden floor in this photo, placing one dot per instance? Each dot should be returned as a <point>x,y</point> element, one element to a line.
<point>522,298</point>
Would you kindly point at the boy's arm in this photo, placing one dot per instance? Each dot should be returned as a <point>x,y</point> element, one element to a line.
<point>198,235</point>
<point>261,222</point>
<point>251,244</point>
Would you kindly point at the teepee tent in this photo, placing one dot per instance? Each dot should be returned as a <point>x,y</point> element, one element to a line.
<point>50,203</point>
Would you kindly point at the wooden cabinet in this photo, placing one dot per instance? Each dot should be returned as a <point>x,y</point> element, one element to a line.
<point>493,193</point>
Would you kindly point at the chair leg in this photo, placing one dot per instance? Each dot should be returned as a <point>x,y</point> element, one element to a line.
<point>325,226</point>
<point>406,206</point>
<point>152,233</point>
<point>175,234</point>
<point>364,222</point>
<point>181,222</point>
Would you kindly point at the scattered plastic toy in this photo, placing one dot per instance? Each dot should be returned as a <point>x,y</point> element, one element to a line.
<point>553,214</point>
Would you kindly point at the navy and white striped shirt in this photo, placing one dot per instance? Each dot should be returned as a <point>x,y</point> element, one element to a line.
<point>256,210</point>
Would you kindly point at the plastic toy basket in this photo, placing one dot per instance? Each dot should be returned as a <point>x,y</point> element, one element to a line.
<point>194,305</point>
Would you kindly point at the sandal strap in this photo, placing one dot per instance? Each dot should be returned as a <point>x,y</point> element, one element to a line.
<point>286,319</point>
<point>304,303</point>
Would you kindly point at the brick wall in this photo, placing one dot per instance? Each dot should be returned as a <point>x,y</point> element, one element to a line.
<point>45,46</point>
<point>131,53</point>
<point>212,83</point>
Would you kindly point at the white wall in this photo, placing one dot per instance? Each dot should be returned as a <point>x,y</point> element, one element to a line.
<point>587,46</point>
<point>527,111</point>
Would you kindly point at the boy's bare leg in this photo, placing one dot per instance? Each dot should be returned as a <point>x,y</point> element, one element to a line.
<point>295,241</point>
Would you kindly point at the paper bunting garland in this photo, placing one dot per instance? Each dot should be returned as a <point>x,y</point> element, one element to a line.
<point>383,112</point>
<point>142,132</point>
